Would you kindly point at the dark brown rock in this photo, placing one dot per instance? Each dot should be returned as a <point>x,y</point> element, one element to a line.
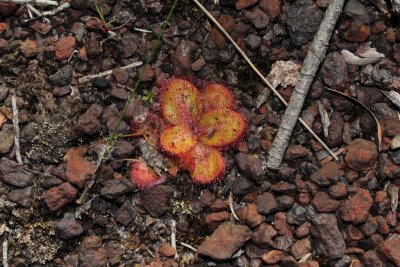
<point>328,239</point>
<point>250,166</point>
<point>356,208</point>
<point>271,7</point>
<point>59,196</point>
<point>323,203</point>
<point>281,225</point>
<point>7,138</point>
<point>155,200</point>
<point>338,190</point>
<point>334,71</point>
<point>263,235</point>
<point>301,248</point>
<point>361,155</point>
<point>183,56</point>
<point>14,175</point>
<point>328,174</point>
<point>23,197</point>
<point>372,259</point>
<point>387,118</point>
<point>250,215</point>
<point>79,171</point>
<point>387,169</point>
<point>242,4</point>
<point>273,256</point>
<point>390,248</point>
<point>114,188</point>
<point>266,203</point>
<point>357,32</point>
<point>296,152</point>
<point>336,127</point>
<point>257,17</point>
<point>225,241</point>
<point>92,253</point>
<point>126,213</point>
<point>213,220</point>
<point>69,227</point>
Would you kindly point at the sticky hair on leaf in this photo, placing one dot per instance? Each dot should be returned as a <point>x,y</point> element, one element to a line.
<point>177,139</point>
<point>143,176</point>
<point>217,96</point>
<point>180,102</point>
<point>220,128</point>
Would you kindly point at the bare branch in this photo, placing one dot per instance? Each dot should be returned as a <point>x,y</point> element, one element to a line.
<point>108,72</point>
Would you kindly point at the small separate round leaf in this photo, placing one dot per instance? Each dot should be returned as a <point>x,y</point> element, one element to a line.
<point>217,96</point>
<point>180,102</point>
<point>219,128</point>
<point>177,139</point>
<point>143,176</point>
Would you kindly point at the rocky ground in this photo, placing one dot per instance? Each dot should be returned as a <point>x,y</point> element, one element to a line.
<point>312,212</point>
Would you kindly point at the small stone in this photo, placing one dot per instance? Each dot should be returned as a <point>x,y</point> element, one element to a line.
<point>273,256</point>
<point>88,122</point>
<point>29,48</point>
<point>59,196</point>
<point>64,47</point>
<point>371,259</point>
<point>361,155</point>
<point>79,171</point>
<point>328,239</point>
<point>166,250</point>
<point>243,186</point>
<point>23,197</point>
<point>303,20</point>
<point>263,235</point>
<point>183,56</point>
<point>352,234</point>
<point>92,253</point>
<point>232,236</point>
<point>13,174</point>
<point>114,188</point>
<point>61,91</point>
<point>7,9</point>
<point>129,44</point>
<point>301,248</point>
<point>324,203</point>
<point>336,129</point>
<point>250,166</point>
<point>328,174</point>
<point>3,92</point>
<point>284,202</point>
<point>334,71</point>
<point>242,4</point>
<point>356,10</point>
<point>100,83</point>
<point>257,17</point>
<point>123,149</point>
<point>62,77</point>
<point>357,32</point>
<point>303,230</point>
<point>283,243</point>
<point>296,215</point>
<point>155,200</point>
<point>92,46</point>
<point>390,248</point>
<point>338,190</point>
<point>356,208</point>
<point>296,152</point>
<point>126,213</point>
<point>281,225</point>
<point>250,216</point>
<point>284,188</point>
<point>219,205</point>
<point>198,64</point>
<point>213,220</point>
<point>253,42</point>
<point>266,203</point>
<point>118,92</point>
<point>387,118</point>
<point>42,28</point>
<point>69,227</point>
<point>369,228</point>
<point>146,73</point>
<point>121,75</point>
<point>271,7</point>
<point>7,139</point>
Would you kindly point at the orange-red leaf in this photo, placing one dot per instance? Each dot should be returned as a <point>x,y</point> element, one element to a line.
<point>220,128</point>
<point>180,102</point>
<point>217,96</point>
<point>177,139</point>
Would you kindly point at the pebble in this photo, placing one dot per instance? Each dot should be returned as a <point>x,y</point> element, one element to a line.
<point>336,129</point>
<point>361,155</point>
<point>266,203</point>
<point>296,152</point>
<point>390,248</point>
<point>7,138</point>
<point>7,9</point>
<point>146,73</point>
<point>3,92</point>
<point>301,248</point>
<point>23,197</point>
<point>257,17</point>
<point>281,226</point>
<point>121,75</point>
<point>13,174</point>
<point>62,77</point>
<point>242,4</point>
<point>166,250</point>
<point>296,215</point>
<point>88,122</point>
<point>250,166</point>
<point>126,213</point>
<point>213,220</point>
<point>92,252</point>
<point>129,46</point>
<point>328,174</point>
<point>232,236</point>
<point>29,48</point>
<point>323,203</point>
<point>303,230</point>
<point>273,256</point>
<point>303,20</point>
<point>334,71</point>
<point>253,42</point>
<point>371,259</point>
<point>59,196</point>
<point>42,28</point>
<point>100,83</point>
<point>155,200</point>
<point>271,7</point>
<point>357,32</point>
<point>115,188</point>
<point>183,56</point>
<point>92,46</point>
<point>356,208</point>
<point>387,118</point>
<point>263,235</point>
<point>328,240</point>
<point>64,47</point>
<point>243,186</point>
<point>338,191</point>
<point>79,171</point>
<point>69,227</point>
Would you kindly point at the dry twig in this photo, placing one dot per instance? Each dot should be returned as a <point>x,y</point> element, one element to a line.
<point>314,58</point>
<point>108,72</point>
<point>16,129</point>
<point>260,75</point>
<point>36,2</point>
<point>5,252</point>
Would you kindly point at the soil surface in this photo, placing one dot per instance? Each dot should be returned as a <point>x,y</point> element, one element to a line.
<point>313,211</point>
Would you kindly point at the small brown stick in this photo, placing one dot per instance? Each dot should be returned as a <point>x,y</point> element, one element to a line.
<point>37,2</point>
<point>261,76</point>
<point>16,129</point>
<point>108,72</point>
<point>314,58</point>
